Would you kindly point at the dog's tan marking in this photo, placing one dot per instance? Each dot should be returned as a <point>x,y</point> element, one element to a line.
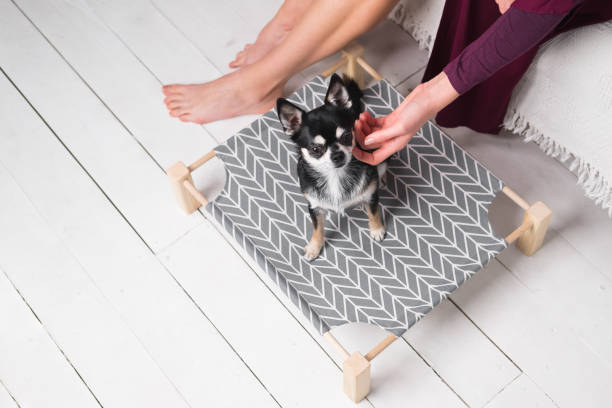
<point>377,228</point>
<point>312,250</point>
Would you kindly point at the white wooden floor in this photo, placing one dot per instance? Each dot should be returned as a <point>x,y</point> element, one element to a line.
<point>110,296</point>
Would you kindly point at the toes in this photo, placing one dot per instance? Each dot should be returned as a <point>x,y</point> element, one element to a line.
<point>171,89</point>
<point>171,98</point>
<point>240,57</point>
<point>174,105</point>
<point>239,61</point>
<point>187,117</point>
<point>175,113</point>
<point>377,234</point>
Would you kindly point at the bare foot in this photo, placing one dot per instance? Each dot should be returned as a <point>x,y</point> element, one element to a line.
<point>270,36</point>
<point>231,95</point>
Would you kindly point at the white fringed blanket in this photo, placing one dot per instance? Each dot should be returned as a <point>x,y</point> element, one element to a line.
<point>564,101</point>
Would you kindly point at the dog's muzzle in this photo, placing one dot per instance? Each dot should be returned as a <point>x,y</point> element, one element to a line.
<point>338,158</point>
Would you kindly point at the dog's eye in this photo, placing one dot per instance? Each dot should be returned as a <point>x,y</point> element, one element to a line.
<point>346,139</point>
<point>316,149</point>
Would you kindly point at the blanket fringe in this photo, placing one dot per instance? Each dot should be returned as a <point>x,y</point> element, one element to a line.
<point>413,27</point>
<point>595,185</point>
<point>422,37</point>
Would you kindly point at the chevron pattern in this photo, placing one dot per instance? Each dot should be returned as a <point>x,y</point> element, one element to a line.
<point>435,205</point>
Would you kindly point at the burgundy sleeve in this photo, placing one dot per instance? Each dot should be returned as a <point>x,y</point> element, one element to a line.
<point>513,33</point>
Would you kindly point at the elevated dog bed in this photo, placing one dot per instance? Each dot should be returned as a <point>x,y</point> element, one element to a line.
<point>434,203</point>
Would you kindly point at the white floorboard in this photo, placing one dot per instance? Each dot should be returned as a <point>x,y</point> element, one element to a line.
<point>92,133</point>
<point>6,401</point>
<point>79,318</point>
<point>117,77</point>
<point>85,208</point>
<point>33,366</point>
<point>128,285</point>
<point>213,27</point>
<point>522,391</point>
<point>523,324</point>
<point>473,366</point>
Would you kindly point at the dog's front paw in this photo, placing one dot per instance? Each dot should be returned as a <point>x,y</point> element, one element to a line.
<point>312,250</point>
<point>377,234</point>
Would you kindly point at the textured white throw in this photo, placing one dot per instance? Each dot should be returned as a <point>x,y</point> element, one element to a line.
<point>564,101</point>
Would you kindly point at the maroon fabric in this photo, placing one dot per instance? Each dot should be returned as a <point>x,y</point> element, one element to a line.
<point>546,6</point>
<point>483,107</point>
<point>507,39</point>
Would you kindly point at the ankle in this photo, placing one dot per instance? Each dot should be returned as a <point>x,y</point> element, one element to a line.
<point>258,81</point>
<point>285,22</point>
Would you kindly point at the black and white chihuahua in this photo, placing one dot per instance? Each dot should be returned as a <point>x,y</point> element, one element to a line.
<point>330,177</point>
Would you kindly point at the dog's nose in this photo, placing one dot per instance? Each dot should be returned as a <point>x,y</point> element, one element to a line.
<point>338,158</point>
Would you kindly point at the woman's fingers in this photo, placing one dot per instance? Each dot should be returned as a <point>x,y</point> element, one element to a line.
<point>364,156</point>
<point>383,135</point>
<point>360,136</point>
<point>373,158</point>
<point>371,121</point>
<point>366,128</point>
<point>379,155</point>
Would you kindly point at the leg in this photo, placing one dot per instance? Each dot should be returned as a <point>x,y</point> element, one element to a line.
<point>322,30</point>
<point>356,377</point>
<point>532,239</point>
<point>312,250</point>
<point>178,174</point>
<point>377,228</point>
<point>273,33</point>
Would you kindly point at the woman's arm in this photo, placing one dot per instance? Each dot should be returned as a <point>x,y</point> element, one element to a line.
<point>513,33</point>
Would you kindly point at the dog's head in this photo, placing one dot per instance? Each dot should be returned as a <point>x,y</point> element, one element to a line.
<point>325,134</point>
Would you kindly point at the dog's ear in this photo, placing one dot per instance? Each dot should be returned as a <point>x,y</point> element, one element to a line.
<point>290,115</point>
<point>345,93</point>
<point>337,94</point>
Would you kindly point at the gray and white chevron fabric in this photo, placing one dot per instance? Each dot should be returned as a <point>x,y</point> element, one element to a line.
<point>435,205</point>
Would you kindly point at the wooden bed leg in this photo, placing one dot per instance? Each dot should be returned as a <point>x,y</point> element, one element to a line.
<point>356,367</point>
<point>178,174</point>
<point>356,376</point>
<point>354,66</point>
<point>531,240</point>
<point>353,69</point>
<point>530,235</point>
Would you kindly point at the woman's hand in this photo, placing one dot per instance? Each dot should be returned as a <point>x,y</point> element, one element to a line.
<point>387,134</point>
<point>391,133</point>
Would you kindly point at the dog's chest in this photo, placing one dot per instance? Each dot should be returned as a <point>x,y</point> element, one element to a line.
<point>333,191</point>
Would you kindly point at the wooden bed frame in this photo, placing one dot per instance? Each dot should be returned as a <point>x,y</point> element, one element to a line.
<point>529,236</point>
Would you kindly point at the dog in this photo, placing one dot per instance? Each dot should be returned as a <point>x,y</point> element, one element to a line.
<point>330,177</point>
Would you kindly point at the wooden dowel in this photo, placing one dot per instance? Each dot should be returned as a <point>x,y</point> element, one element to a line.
<point>195,193</point>
<point>380,347</point>
<point>334,67</point>
<point>369,69</point>
<point>516,234</point>
<point>337,345</point>
<point>201,160</point>
<point>516,198</point>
